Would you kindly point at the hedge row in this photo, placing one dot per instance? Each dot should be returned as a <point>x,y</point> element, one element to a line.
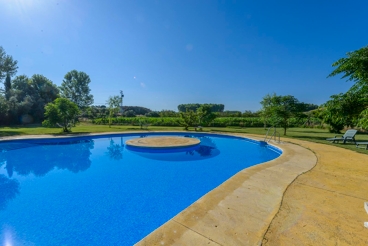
<point>174,121</point>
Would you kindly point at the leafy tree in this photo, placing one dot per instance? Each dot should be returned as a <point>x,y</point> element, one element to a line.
<point>188,107</point>
<point>343,110</point>
<point>195,106</point>
<point>4,107</point>
<point>20,101</point>
<point>280,109</point>
<point>75,87</point>
<point>229,113</point>
<point>363,119</point>
<point>313,117</point>
<point>350,108</point>
<point>188,119</point>
<point>354,67</point>
<point>97,111</point>
<point>248,113</point>
<point>205,115</point>
<point>92,112</point>
<point>168,113</point>
<point>266,111</point>
<point>29,96</point>
<point>310,106</point>
<point>7,86</point>
<point>129,113</point>
<point>153,114</point>
<point>8,66</point>
<point>137,110</point>
<point>44,92</point>
<point>114,106</point>
<point>61,112</point>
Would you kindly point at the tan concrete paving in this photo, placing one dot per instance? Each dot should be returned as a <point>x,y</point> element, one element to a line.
<point>239,211</point>
<point>324,206</point>
<point>163,142</point>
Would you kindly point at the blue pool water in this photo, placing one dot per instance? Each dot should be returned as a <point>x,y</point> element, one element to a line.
<point>95,191</point>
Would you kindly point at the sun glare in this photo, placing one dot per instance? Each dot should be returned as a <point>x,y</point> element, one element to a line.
<point>20,6</point>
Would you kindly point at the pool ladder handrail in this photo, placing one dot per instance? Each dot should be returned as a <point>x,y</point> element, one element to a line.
<point>274,135</point>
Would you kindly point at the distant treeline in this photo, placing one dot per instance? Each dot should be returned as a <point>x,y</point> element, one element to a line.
<point>137,110</point>
<point>218,122</point>
<point>133,111</point>
<point>194,106</point>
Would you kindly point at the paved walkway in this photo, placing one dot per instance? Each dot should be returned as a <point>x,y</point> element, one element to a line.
<point>324,206</point>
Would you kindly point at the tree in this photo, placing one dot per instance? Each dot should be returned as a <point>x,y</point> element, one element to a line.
<point>28,97</point>
<point>168,113</point>
<point>343,110</point>
<point>280,109</point>
<point>187,119</point>
<point>266,111</point>
<point>75,87</point>
<point>137,110</point>
<point>7,86</point>
<point>114,106</point>
<point>195,106</point>
<point>44,92</point>
<point>248,113</point>
<point>153,114</point>
<point>8,66</point>
<point>230,113</point>
<point>205,115</point>
<point>4,107</point>
<point>354,67</point>
<point>363,119</point>
<point>351,107</point>
<point>20,100</point>
<point>61,112</point>
<point>129,113</point>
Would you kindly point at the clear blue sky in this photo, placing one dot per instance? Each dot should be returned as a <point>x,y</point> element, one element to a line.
<point>163,53</point>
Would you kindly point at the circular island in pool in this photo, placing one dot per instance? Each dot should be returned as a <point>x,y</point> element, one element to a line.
<point>164,142</point>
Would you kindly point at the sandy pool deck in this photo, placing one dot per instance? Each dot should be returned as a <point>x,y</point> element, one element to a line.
<point>324,206</point>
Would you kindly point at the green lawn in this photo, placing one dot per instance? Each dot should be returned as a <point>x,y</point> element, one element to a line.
<point>308,134</point>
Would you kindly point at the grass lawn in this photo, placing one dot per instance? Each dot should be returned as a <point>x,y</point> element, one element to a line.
<point>308,134</point>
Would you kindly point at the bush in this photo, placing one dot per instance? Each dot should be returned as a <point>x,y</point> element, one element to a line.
<point>152,114</point>
<point>129,113</point>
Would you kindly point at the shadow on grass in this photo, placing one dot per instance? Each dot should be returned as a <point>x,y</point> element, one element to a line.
<point>229,130</point>
<point>310,137</point>
<point>310,131</point>
<point>12,133</point>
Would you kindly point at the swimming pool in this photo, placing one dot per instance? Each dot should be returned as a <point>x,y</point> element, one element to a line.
<point>95,190</point>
